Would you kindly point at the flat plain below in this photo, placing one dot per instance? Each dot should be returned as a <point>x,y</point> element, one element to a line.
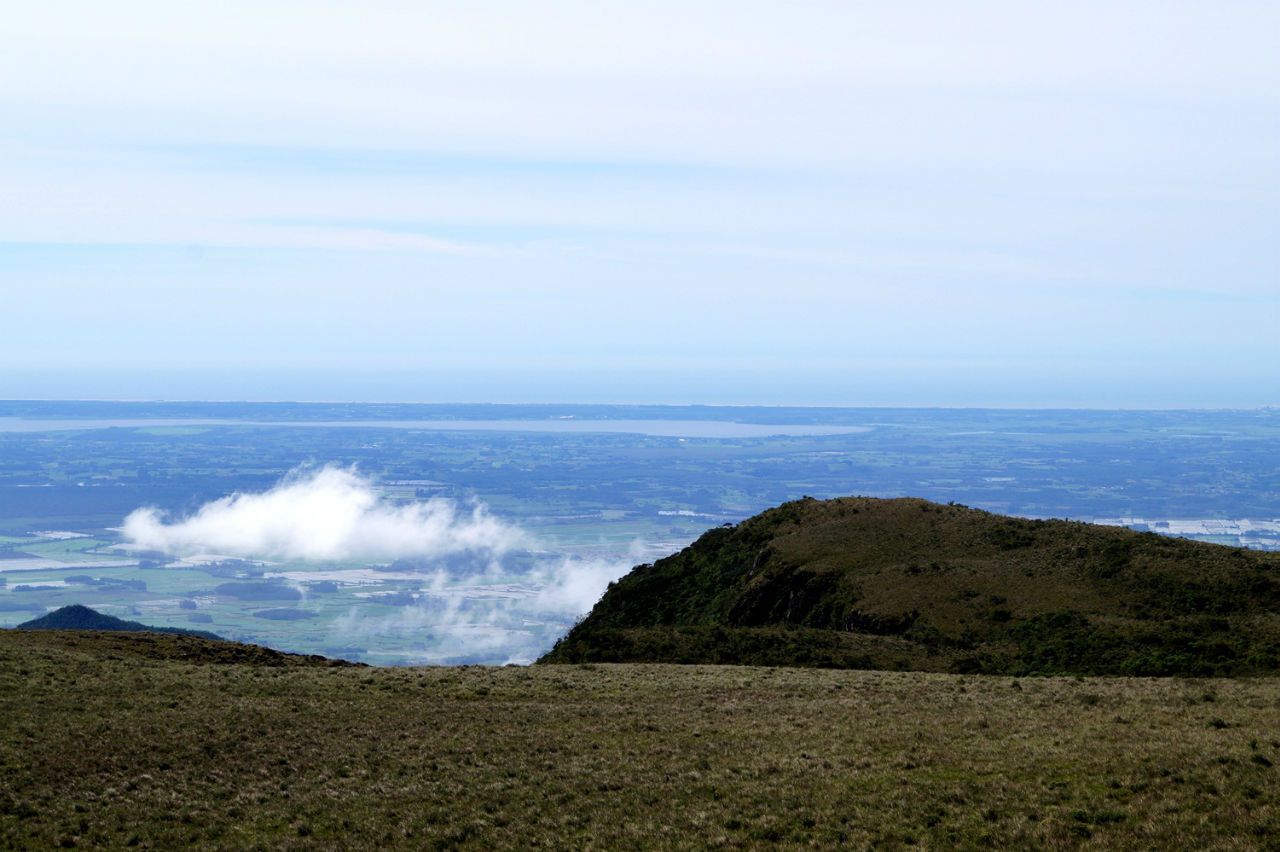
<point>113,740</point>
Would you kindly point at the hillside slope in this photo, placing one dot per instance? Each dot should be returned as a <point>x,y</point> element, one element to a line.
<point>137,645</point>
<point>909,584</point>
<point>114,740</point>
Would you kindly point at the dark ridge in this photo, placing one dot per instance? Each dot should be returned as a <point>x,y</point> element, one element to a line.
<point>79,617</point>
<point>908,584</point>
<point>179,647</point>
<point>92,632</point>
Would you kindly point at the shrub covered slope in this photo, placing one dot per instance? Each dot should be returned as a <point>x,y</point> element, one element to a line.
<point>908,584</point>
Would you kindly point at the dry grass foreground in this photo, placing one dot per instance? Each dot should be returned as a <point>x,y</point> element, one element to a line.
<point>103,746</point>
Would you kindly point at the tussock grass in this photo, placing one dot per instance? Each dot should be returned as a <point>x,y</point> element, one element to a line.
<point>102,746</point>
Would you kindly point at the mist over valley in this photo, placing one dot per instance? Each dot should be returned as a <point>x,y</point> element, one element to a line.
<point>366,532</point>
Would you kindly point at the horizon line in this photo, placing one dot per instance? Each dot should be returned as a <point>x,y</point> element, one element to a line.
<point>847,406</point>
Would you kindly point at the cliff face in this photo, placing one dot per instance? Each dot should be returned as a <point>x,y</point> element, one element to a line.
<point>905,583</point>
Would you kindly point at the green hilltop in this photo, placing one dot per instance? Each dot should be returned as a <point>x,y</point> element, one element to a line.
<point>908,584</point>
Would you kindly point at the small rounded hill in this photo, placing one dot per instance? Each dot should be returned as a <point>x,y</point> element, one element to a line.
<point>860,582</point>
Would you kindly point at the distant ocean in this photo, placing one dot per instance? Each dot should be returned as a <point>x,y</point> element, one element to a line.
<point>656,428</point>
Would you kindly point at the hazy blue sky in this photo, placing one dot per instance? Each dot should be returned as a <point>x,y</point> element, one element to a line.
<point>921,203</point>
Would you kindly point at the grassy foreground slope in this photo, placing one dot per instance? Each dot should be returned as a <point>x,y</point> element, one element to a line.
<point>909,584</point>
<point>105,742</point>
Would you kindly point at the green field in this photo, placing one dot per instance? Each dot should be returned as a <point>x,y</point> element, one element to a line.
<point>106,740</point>
<point>386,618</point>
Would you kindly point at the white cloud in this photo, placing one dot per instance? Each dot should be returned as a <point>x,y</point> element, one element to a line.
<point>483,617</point>
<point>325,514</point>
<point>574,586</point>
<point>497,610</point>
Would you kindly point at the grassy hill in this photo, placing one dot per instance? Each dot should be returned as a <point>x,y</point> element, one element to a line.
<point>109,740</point>
<point>78,617</point>
<point>909,584</point>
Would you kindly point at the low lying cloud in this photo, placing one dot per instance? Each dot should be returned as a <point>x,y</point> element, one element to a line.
<point>500,623</point>
<point>463,586</point>
<point>573,586</point>
<point>325,514</point>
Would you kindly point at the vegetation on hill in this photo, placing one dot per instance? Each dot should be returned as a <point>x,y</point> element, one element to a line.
<point>105,742</point>
<point>909,584</point>
<point>171,646</point>
<point>78,617</point>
